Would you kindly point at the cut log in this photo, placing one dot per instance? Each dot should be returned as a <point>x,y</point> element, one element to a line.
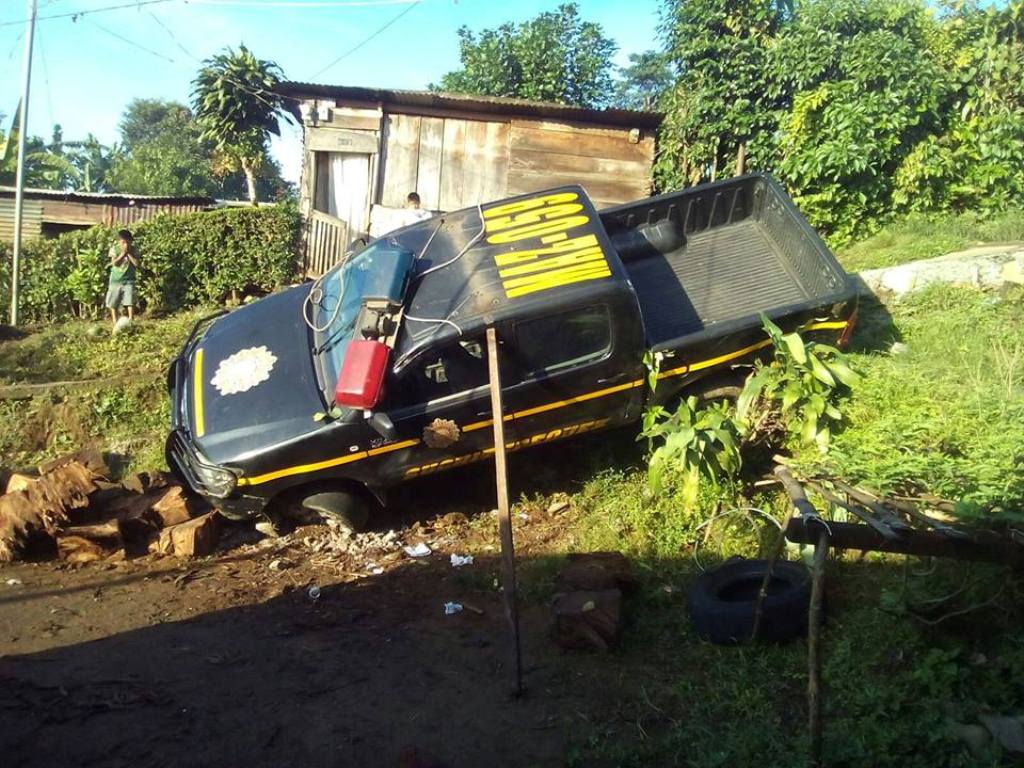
<point>78,550</point>
<point>18,482</point>
<point>587,620</point>
<point>21,523</point>
<point>44,508</point>
<point>91,457</point>
<point>107,535</point>
<point>195,538</point>
<point>171,508</point>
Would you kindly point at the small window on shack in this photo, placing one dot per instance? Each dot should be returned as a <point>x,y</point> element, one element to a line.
<point>558,342</point>
<point>456,367</point>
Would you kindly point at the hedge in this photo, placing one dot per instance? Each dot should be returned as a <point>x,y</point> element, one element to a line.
<point>185,260</point>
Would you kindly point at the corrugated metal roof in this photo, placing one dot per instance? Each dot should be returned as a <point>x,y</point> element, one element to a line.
<point>624,118</point>
<point>31,221</point>
<point>105,197</point>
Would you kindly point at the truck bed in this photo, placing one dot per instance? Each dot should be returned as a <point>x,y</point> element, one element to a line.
<point>719,253</point>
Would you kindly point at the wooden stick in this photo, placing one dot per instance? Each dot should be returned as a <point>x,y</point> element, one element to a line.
<point>985,547</point>
<point>504,517</point>
<point>762,593</point>
<point>809,515</point>
<point>814,620</point>
<point>871,502</point>
<point>880,526</point>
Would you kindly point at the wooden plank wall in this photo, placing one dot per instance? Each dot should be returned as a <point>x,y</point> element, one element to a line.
<point>612,164</point>
<point>451,162</point>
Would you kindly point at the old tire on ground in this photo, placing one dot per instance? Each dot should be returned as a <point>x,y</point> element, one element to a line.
<point>341,508</point>
<point>723,599</point>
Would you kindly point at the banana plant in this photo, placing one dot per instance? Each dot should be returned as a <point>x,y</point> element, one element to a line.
<point>803,383</point>
<point>700,443</point>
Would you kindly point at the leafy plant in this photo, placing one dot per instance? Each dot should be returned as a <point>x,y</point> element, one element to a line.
<point>187,260</point>
<point>799,389</point>
<point>697,443</point>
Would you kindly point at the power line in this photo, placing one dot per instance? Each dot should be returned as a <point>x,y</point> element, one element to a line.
<point>173,37</point>
<point>356,47</point>
<point>132,43</point>
<point>87,11</point>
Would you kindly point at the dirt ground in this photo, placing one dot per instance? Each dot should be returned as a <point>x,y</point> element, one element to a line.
<point>229,660</point>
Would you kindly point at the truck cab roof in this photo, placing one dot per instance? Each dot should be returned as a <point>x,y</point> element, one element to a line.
<point>532,254</point>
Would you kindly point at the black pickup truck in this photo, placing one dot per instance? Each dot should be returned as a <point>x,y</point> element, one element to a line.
<point>327,393</point>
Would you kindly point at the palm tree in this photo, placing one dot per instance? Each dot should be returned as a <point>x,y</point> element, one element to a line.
<point>236,107</point>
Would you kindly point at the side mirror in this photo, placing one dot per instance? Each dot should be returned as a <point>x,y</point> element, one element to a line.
<point>383,425</point>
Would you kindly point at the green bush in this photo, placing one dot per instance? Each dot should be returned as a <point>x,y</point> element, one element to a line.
<point>186,260</point>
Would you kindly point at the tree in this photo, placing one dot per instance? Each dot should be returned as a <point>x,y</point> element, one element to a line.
<point>163,152</point>
<point>642,84</point>
<point>867,85</point>
<point>236,108</point>
<point>976,163</point>
<point>722,112</point>
<point>555,56</point>
<point>46,167</point>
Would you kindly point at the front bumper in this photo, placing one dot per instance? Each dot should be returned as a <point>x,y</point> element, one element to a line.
<point>183,459</point>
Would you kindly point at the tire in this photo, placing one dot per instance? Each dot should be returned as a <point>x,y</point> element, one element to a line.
<point>728,393</point>
<point>341,508</point>
<point>723,599</point>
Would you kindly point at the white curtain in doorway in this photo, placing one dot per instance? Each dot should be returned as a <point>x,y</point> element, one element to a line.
<point>349,189</point>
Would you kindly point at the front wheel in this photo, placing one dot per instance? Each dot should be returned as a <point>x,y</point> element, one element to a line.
<point>341,508</point>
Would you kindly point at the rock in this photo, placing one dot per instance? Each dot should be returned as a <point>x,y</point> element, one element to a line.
<point>1007,731</point>
<point>596,571</point>
<point>990,266</point>
<point>975,737</point>
<point>195,538</point>
<point>557,507</point>
<point>18,482</point>
<point>281,564</point>
<point>587,620</point>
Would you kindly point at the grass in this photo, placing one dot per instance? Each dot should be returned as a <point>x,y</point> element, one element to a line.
<point>947,414</point>
<point>921,237</point>
<point>125,412</point>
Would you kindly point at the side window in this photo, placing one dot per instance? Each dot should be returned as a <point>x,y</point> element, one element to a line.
<point>566,340</point>
<point>455,368</point>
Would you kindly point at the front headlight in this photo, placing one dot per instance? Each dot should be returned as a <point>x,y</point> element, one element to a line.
<point>218,481</point>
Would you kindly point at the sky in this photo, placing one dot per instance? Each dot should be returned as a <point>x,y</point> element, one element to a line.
<point>86,70</point>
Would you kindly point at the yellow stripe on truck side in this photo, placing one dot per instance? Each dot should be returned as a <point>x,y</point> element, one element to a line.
<point>696,366</point>
<point>198,417</point>
<point>326,464</point>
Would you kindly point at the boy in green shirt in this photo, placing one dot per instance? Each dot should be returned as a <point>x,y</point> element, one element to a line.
<point>121,288</point>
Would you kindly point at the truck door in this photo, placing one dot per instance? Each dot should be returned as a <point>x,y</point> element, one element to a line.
<point>574,371</point>
<point>441,399</point>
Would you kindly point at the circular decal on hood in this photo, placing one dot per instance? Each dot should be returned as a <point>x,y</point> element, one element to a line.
<point>243,370</point>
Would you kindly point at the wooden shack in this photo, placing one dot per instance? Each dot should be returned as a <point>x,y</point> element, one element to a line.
<point>366,149</point>
<point>50,212</point>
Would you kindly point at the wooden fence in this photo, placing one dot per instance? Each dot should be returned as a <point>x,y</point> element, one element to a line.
<point>326,240</point>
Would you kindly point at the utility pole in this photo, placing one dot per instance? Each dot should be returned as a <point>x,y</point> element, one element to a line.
<point>19,189</point>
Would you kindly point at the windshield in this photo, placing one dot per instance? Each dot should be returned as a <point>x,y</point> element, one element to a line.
<point>336,308</point>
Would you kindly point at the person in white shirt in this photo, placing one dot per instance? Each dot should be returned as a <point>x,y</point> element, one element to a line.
<point>413,212</point>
